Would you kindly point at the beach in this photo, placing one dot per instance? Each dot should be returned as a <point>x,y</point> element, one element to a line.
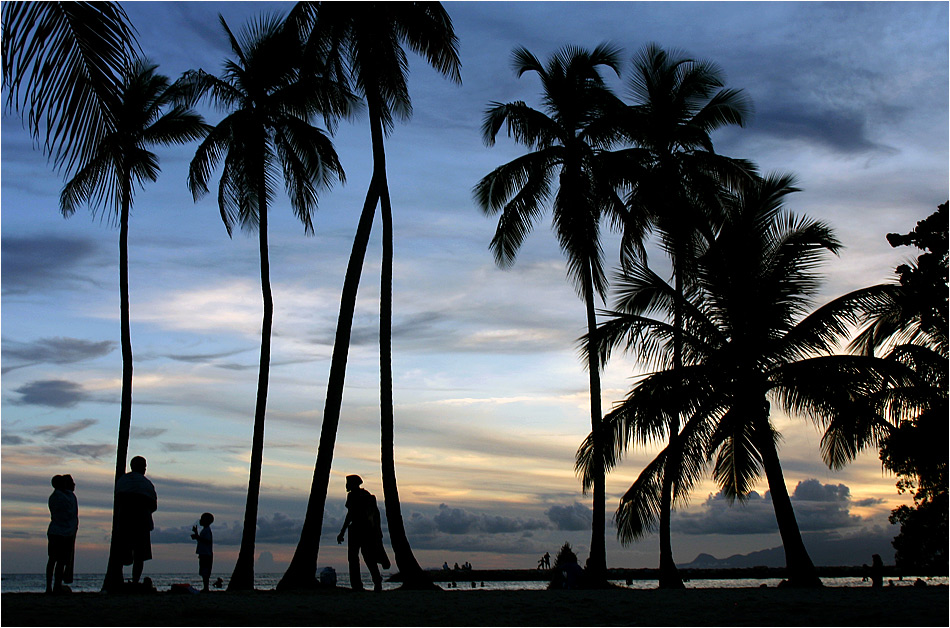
<point>897,606</point>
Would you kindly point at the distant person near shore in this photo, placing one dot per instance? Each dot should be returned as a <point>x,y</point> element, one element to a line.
<point>877,571</point>
<point>545,562</point>
<point>365,534</point>
<point>61,534</point>
<point>205,549</point>
<point>136,500</point>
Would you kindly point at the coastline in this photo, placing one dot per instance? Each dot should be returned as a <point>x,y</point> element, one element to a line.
<point>890,606</point>
<point>687,573</point>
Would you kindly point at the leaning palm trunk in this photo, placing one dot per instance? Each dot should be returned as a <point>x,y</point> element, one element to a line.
<point>242,578</point>
<point>598,548</point>
<point>301,573</point>
<point>800,570</point>
<point>113,579</point>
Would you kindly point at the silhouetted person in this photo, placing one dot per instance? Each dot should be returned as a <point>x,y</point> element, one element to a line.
<point>877,571</point>
<point>545,562</point>
<point>205,549</point>
<point>366,534</point>
<point>61,534</point>
<point>218,583</point>
<point>136,500</point>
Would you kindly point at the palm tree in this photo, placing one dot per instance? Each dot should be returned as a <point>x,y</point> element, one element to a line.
<point>267,132</point>
<point>63,65</point>
<point>747,345</point>
<point>677,181</point>
<point>568,140</point>
<point>364,42</point>
<point>142,115</point>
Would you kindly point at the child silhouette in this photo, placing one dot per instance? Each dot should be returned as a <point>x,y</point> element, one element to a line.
<point>205,548</point>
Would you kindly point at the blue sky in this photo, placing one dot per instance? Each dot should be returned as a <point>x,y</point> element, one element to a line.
<point>491,398</point>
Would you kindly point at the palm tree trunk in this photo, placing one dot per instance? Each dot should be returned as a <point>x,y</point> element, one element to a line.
<point>597,562</point>
<point>113,578</point>
<point>301,573</point>
<point>413,576</point>
<point>242,578</point>
<point>801,571</point>
<point>669,574</point>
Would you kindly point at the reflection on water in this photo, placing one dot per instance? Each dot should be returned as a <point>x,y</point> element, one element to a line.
<point>90,583</point>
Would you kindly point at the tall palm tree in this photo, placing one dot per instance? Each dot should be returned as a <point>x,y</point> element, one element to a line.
<point>364,42</point>
<point>568,162</point>
<point>63,65</point>
<point>677,181</point>
<point>143,114</point>
<point>747,344</point>
<point>266,133</point>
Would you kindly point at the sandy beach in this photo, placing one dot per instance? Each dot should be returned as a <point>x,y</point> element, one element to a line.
<point>898,606</point>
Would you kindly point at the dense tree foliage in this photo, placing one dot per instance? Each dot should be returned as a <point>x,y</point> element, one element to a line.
<point>916,449</point>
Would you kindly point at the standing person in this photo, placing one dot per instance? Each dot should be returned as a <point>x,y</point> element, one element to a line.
<point>136,500</point>
<point>366,534</point>
<point>205,549</point>
<point>877,571</point>
<point>61,534</point>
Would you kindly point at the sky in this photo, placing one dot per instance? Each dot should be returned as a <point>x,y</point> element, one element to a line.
<point>491,396</point>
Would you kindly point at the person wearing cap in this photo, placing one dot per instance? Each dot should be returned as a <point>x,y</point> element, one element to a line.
<point>365,534</point>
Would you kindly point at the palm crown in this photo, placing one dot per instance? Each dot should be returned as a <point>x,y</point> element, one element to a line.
<point>361,44</point>
<point>145,113</point>
<point>269,106</point>
<point>567,139</point>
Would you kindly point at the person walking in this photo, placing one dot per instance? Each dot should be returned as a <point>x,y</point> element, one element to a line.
<point>365,534</point>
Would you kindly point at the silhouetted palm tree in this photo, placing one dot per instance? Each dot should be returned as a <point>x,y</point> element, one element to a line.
<point>267,133</point>
<point>63,65</point>
<point>568,139</point>
<point>363,42</point>
<point>142,114</point>
<point>677,180</point>
<point>746,344</point>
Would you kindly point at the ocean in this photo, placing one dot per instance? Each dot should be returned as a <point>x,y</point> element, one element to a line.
<point>91,583</point>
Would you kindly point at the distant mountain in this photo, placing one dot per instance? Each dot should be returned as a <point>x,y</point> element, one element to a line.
<point>851,551</point>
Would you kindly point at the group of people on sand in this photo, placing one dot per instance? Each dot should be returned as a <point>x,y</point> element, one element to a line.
<point>135,501</point>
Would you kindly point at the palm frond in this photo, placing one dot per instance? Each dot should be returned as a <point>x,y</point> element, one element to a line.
<point>62,65</point>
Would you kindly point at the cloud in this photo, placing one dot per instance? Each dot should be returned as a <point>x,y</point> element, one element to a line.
<point>823,506</point>
<point>52,351</point>
<point>278,528</point>
<point>202,358</point>
<point>148,432</point>
<point>818,507</point>
<point>12,439</point>
<point>456,521</point>
<point>62,431</point>
<point>30,263</point>
<point>94,452</point>
<point>573,517</point>
<point>837,129</point>
<point>53,393</point>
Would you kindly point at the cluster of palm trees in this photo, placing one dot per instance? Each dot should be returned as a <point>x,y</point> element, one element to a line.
<point>734,334</point>
<point>74,69</point>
